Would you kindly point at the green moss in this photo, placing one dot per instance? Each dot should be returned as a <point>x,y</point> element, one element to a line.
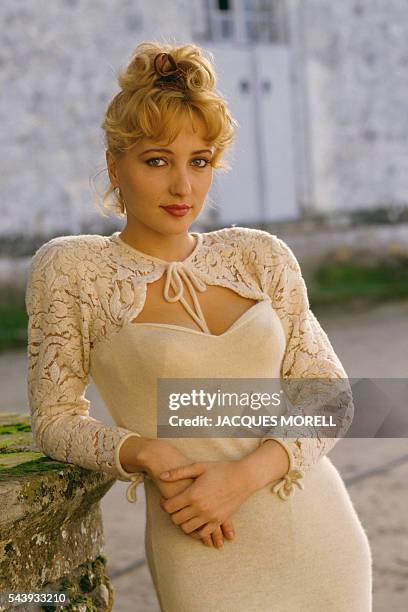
<point>81,585</point>
<point>14,428</point>
<point>11,460</point>
<point>37,466</point>
<point>86,584</point>
<point>22,440</point>
<point>65,585</point>
<point>33,490</point>
<point>72,606</point>
<point>101,559</point>
<point>16,441</point>
<point>81,599</point>
<point>5,450</point>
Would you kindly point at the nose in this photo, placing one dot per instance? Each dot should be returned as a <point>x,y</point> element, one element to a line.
<point>180,183</point>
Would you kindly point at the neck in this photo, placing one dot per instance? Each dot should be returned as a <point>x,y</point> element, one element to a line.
<point>170,247</point>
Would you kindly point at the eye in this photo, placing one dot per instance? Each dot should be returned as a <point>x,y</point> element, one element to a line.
<point>199,159</point>
<point>207,161</point>
<point>153,159</point>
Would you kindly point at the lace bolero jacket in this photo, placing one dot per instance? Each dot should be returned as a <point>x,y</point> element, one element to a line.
<point>82,288</point>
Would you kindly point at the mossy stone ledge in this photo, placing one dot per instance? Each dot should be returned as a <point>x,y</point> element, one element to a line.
<point>51,532</point>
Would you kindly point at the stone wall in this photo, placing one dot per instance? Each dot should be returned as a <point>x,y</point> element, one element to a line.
<point>51,534</point>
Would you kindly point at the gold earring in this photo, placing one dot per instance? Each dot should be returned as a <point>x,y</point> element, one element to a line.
<point>119,198</point>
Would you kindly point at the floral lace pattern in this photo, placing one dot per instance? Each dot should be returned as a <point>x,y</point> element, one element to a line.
<point>308,355</point>
<point>81,289</point>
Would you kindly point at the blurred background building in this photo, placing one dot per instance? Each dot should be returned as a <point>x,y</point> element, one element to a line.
<point>318,88</point>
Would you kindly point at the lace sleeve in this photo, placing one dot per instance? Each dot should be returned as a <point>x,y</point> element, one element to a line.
<point>58,369</point>
<point>308,355</point>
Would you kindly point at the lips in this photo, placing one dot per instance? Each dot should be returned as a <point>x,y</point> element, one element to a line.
<point>177,207</point>
<point>177,210</point>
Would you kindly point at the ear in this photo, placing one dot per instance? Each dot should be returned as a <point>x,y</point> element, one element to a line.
<point>112,170</point>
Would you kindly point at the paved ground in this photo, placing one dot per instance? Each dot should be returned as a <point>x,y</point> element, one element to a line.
<point>371,344</point>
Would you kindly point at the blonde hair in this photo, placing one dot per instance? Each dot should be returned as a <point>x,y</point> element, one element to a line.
<point>144,109</point>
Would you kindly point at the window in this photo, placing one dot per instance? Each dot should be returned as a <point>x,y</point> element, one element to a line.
<point>241,21</point>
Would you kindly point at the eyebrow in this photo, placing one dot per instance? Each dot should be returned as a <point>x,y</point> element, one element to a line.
<point>171,152</point>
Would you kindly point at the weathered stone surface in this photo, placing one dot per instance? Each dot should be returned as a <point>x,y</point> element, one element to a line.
<point>50,521</point>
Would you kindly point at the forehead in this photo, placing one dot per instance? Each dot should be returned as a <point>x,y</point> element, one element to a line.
<point>190,133</point>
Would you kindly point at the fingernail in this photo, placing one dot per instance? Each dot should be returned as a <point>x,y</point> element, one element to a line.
<point>220,545</point>
<point>165,475</point>
<point>230,534</point>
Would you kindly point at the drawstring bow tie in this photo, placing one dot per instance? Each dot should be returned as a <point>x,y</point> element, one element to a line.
<point>176,273</point>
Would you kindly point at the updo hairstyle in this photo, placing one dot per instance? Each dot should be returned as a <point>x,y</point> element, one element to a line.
<point>157,93</point>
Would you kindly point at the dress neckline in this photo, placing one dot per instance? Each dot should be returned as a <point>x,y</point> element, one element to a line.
<point>246,316</point>
<point>199,240</point>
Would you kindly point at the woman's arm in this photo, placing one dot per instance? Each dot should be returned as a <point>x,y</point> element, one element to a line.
<point>58,366</point>
<point>266,464</point>
<point>153,456</point>
<point>316,381</point>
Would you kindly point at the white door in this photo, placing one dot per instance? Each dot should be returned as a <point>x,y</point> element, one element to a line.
<point>236,193</point>
<point>260,186</point>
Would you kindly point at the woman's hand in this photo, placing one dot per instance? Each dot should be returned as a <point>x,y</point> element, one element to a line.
<point>216,493</point>
<point>165,456</point>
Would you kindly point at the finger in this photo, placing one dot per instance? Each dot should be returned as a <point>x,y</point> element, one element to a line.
<point>178,502</point>
<point>192,524</point>
<point>196,536</point>
<point>207,541</point>
<point>184,471</point>
<point>208,529</point>
<point>218,538</point>
<point>228,529</point>
<point>184,515</point>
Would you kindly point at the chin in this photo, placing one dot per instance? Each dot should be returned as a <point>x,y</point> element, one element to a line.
<point>173,229</point>
<point>177,225</point>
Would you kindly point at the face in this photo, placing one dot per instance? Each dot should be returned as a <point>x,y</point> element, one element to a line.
<point>150,179</point>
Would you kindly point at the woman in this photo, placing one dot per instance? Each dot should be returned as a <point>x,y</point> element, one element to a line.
<point>157,301</point>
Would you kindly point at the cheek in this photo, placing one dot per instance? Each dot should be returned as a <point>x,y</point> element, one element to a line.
<point>141,183</point>
<point>206,187</point>
<point>204,181</point>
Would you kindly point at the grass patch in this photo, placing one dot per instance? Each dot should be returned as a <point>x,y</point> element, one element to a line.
<point>340,282</point>
<point>13,328</point>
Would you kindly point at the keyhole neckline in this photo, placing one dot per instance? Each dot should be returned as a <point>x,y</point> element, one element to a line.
<point>199,239</point>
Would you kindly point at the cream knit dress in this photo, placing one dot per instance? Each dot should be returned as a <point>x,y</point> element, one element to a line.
<point>297,549</point>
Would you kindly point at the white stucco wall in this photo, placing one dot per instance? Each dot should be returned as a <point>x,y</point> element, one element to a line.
<point>57,74</point>
<point>357,88</point>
